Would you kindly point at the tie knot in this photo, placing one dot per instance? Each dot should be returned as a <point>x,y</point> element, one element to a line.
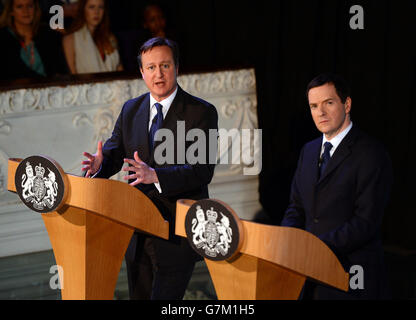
<point>328,146</point>
<point>158,107</point>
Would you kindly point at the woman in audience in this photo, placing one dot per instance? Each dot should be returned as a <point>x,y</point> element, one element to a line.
<point>28,49</point>
<point>90,47</point>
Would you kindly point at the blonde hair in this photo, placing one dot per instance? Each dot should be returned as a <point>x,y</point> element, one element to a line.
<point>6,18</point>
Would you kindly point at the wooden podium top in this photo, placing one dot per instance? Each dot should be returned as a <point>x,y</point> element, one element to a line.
<point>112,199</point>
<point>291,248</point>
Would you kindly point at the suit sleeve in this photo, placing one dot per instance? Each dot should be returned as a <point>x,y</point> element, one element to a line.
<point>178,179</point>
<point>374,180</point>
<point>295,213</point>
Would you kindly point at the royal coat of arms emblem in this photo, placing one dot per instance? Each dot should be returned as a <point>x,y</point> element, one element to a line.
<point>39,190</point>
<point>39,184</point>
<point>211,232</point>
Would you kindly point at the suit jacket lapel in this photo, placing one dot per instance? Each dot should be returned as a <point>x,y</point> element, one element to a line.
<point>141,121</point>
<point>175,111</point>
<point>314,167</point>
<point>312,162</point>
<point>343,151</point>
<point>309,176</point>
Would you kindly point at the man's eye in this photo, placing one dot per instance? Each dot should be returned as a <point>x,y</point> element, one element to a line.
<point>166,66</point>
<point>150,68</point>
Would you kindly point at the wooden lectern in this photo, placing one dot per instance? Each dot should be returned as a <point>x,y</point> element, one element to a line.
<point>273,262</point>
<point>90,233</point>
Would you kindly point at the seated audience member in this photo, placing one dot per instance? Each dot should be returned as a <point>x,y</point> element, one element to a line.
<point>29,50</point>
<point>154,21</point>
<point>156,24</point>
<point>90,47</point>
<point>153,24</point>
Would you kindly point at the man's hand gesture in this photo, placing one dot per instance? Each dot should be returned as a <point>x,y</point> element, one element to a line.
<point>93,164</point>
<point>143,173</point>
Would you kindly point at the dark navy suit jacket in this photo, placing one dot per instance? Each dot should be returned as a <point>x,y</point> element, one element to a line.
<point>177,181</point>
<point>344,207</point>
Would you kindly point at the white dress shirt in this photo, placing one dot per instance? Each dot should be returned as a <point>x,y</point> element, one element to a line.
<point>335,141</point>
<point>166,103</point>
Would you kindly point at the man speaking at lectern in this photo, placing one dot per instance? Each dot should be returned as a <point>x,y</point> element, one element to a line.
<point>157,268</point>
<point>340,189</point>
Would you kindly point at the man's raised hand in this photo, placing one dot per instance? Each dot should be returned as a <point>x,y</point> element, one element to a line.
<point>142,172</point>
<point>93,164</point>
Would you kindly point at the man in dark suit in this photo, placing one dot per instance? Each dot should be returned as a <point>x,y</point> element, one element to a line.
<point>340,189</point>
<point>158,269</point>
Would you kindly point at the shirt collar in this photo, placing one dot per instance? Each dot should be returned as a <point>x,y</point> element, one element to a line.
<point>166,103</point>
<point>335,141</point>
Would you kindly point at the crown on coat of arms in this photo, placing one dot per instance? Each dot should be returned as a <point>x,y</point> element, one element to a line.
<point>212,215</point>
<point>39,170</point>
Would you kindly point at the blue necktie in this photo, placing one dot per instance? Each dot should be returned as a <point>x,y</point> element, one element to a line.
<point>156,124</point>
<point>325,157</point>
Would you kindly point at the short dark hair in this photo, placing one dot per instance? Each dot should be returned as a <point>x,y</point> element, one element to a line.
<point>158,42</point>
<point>341,86</point>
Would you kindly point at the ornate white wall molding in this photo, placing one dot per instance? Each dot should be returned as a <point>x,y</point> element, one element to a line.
<point>103,123</point>
<point>62,122</point>
<point>3,173</point>
<point>5,127</point>
<point>21,101</point>
<point>217,84</point>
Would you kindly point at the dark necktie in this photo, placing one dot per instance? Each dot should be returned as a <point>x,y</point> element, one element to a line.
<point>156,124</point>
<point>325,157</point>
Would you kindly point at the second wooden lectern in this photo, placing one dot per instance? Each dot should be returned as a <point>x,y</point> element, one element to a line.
<point>91,229</point>
<point>269,262</point>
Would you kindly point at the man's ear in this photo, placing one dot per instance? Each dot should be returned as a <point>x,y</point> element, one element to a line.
<point>141,72</point>
<point>347,104</point>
